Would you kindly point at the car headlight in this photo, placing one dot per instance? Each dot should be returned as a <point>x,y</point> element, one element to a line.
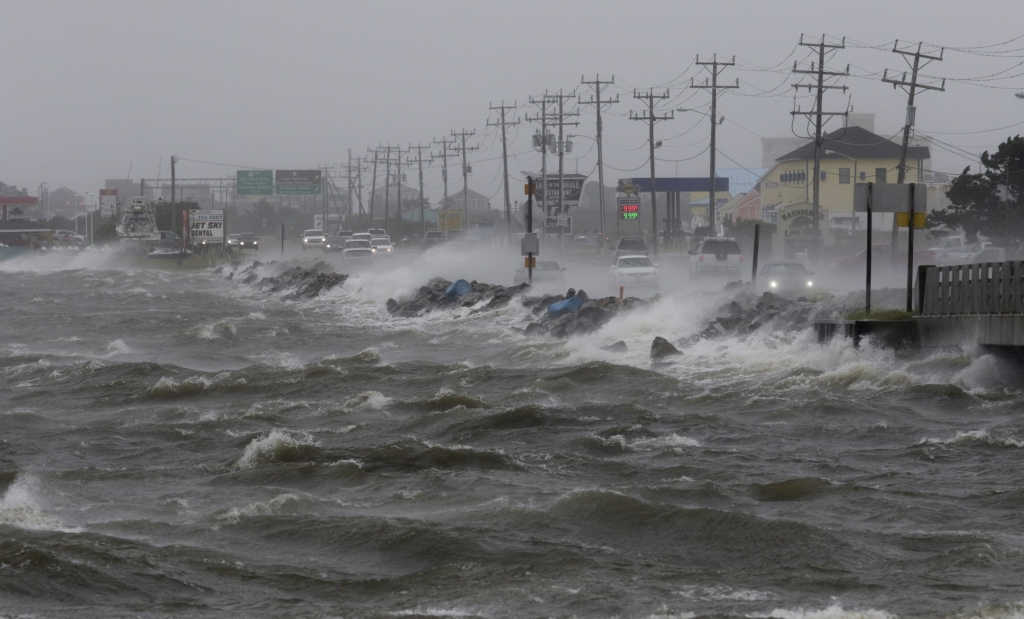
<point>774,284</point>
<point>305,240</point>
<point>809,284</point>
<point>328,246</point>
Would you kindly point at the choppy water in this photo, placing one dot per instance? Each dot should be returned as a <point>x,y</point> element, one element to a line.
<point>176,444</point>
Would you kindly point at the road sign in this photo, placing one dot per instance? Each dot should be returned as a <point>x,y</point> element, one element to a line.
<point>530,244</point>
<point>558,223</point>
<point>886,198</point>
<point>903,220</point>
<point>572,191</point>
<point>254,182</point>
<point>298,182</point>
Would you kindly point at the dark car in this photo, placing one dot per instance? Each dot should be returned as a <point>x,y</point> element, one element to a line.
<point>243,240</point>
<point>336,243</point>
<point>785,277</point>
<point>630,246</point>
<point>433,237</point>
<point>168,240</point>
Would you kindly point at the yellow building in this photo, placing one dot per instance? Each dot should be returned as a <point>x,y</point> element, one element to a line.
<point>848,156</point>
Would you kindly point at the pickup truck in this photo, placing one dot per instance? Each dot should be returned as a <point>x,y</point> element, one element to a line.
<point>982,251</point>
<point>880,256</point>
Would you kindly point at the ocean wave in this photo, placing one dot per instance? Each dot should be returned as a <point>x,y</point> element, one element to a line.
<point>278,446</point>
<point>21,507</point>
<point>832,612</point>
<point>286,503</point>
<point>792,489</point>
<point>974,437</point>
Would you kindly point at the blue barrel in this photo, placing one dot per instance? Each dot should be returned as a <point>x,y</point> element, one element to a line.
<point>572,304</point>
<point>458,289</point>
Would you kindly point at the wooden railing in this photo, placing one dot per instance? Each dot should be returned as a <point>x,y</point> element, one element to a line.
<point>984,288</point>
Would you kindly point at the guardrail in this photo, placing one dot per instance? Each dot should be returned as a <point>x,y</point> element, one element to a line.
<point>971,289</point>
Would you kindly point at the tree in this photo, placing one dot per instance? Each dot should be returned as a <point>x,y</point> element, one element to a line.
<point>990,203</point>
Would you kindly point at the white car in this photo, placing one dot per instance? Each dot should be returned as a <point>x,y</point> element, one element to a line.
<point>636,271</point>
<point>68,237</point>
<point>357,248</point>
<point>382,245</point>
<point>313,239</point>
<point>716,256</point>
<point>982,251</point>
<point>377,233</point>
<point>361,236</point>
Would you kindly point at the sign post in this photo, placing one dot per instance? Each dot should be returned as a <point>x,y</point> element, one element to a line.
<point>901,200</point>
<point>206,227</point>
<point>108,202</point>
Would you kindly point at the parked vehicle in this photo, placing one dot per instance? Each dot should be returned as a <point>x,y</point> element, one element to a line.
<point>313,239</point>
<point>358,248</point>
<point>243,240</point>
<point>783,277</point>
<point>432,238</point>
<point>879,257</point>
<point>382,245</point>
<point>630,246</point>
<point>335,243</point>
<point>168,240</point>
<point>547,272</point>
<point>69,238</point>
<point>982,251</point>
<point>716,256</point>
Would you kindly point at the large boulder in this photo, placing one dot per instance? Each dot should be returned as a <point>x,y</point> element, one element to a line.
<point>661,348</point>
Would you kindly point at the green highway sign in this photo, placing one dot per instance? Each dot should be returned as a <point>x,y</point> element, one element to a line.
<point>298,182</point>
<point>254,182</point>
<point>299,190</point>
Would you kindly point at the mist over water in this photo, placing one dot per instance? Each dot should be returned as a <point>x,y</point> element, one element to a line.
<point>177,442</point>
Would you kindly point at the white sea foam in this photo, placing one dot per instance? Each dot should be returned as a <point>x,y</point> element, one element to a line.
<point>367,400</point>
<point>21,506</point>
<point>117,347</point>
<point>282,503</point>
<point>832,612</point>
<point>974,437</point>
<point>672,441</point>
<point>279,445</point>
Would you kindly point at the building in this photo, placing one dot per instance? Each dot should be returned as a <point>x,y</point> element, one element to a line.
<point>477,201</point>
<point>848,156</point>
<point>63,202</point>
<point>14,207</point>
<point>391,192</point>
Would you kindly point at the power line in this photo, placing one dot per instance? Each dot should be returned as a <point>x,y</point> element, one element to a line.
<point>650,117</point>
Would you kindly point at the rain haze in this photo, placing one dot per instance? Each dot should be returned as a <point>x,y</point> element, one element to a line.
<point>254,364</point>
<point>294,85</point>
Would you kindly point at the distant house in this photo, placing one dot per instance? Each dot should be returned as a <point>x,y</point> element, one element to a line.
<point>63,201</point>
<point>477,201</point>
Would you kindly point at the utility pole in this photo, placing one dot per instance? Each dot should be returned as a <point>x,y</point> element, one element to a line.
<point>387,183</point>
<point>504,158</point>
<point>398,182</point>
<point>446,147</point>
<point>819,114</point>
<point>544,143</point>
<point>597,103</point>
<point>910,88</point>
<point>650,117</point>
<point>419,160</point>
<point>562,115</point>
<point>373,185</point>
<point>714,87</point>
<point>462,135</point>
<point>174,208</point>
<point>348,175</point>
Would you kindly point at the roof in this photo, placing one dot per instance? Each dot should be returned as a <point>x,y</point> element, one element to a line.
<point>11,200</point>
<point>21,225</point>
<point>741,180</point>
<point>856,143</point>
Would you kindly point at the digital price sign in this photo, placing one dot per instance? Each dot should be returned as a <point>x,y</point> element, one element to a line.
<point>629,208</point>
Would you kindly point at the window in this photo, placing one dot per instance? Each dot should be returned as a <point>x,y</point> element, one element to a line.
<point>880,175</point>
<point>823,173</point>
<point>863,175</point>
<point>844,176</point>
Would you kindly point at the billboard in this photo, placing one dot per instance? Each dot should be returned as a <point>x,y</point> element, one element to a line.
<point>254,182</point>
<point>108,202</point>
<point>298,182</point>
<point>449,219</point>
<point>572,190</point>
<point>206,227</point>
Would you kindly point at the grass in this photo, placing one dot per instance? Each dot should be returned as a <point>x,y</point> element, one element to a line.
<point>880,314</point>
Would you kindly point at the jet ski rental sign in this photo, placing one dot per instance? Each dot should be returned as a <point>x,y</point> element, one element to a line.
<point>206,226</point>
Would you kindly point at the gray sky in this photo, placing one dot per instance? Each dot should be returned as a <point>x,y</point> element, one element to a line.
<point>95,87</point>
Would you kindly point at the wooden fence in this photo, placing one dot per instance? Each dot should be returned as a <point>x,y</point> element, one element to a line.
<point>965,289</point>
